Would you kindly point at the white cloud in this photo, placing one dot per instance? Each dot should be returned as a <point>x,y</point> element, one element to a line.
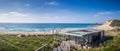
<point>13,13</point>
<point>107,13</point>
<point>19,17</point>
<point>13,16</point>
<point>53,3</point>
<point>103,13</point>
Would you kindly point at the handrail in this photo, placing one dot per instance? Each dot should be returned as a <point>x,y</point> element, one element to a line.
<point>43,46</point>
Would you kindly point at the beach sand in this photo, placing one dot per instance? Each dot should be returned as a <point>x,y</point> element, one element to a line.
<point>103,27</point>
<point>30,33</point>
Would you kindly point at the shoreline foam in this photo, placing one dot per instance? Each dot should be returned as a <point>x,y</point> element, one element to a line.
<point>30,33</point>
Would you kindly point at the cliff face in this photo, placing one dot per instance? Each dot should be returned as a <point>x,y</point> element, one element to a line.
<point>108,25</point>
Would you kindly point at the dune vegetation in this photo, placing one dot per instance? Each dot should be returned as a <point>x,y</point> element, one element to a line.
<point>115,23</point>
<point>31,43</point>
<point>14,43</point>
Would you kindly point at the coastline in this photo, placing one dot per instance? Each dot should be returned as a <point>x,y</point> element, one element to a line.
<point>26,33</point>
<point>31,33</point>
<point>50,32</point>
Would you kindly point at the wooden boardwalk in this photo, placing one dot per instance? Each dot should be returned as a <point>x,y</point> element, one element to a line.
<point>64,46</point>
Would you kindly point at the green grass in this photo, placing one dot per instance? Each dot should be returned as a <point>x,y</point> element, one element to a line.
<point>50,46</point>
<point>31,43</point>
<point>7,47</point>
<point>14,43</point>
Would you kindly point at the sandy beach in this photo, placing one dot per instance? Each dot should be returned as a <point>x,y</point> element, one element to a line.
<point>30,33</point>
<point>103,27</point>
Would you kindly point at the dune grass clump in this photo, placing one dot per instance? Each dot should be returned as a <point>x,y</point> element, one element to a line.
<point>14,43</point>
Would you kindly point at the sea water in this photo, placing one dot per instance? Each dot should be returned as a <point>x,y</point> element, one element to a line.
<point>38,27</point>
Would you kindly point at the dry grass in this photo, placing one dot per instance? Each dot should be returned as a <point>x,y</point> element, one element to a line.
<point>112,33</point>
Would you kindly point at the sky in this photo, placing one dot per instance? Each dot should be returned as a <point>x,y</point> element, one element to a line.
<point>58,11</point>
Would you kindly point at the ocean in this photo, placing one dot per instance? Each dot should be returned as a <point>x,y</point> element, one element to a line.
<point>38,27</point>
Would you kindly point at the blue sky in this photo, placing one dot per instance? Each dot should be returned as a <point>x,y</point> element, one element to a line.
<point>58,11</point>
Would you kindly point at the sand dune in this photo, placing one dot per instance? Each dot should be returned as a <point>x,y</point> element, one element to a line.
<point>103,27</point>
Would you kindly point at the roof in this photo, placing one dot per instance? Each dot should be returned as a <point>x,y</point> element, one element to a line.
<point>80,32</point>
